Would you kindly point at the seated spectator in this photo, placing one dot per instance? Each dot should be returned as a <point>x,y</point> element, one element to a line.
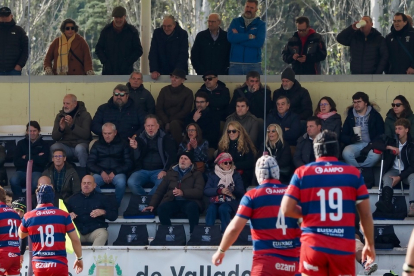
<point>304,153</point>
<point>254,91</point>
<point>250,123</point>
<point>174,104</point>
<point>225,188</point>
<point>119,110</point>
<point>89,209</point>
<point>72,131</point>
<point>286,119</point>
<point>400,109</point>
<point>9,197</point>
<point>3,173</point>
<point>205,118</point>
<point>193,141</point>
<point>63,175</point>
<point>110,161</point>
<point>69,53</point>
<point>326,111</point>
<point>143,99</point>
<point>39,153</point>
<point>154,154</point>
<point>237,142</point>
<point>219,94</point>
<point>181,191</point>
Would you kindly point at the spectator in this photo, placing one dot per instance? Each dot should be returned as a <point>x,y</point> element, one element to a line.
<point>89,209</point>
<point>409,20</point>
<point>250,123</point>
<point>205,118</point>
<point>119,110</point>
<point>300,101</point>
<point>39,153</point>
<point>246,34</point>
<point>225,188</point>
<point>305,49</point>
<point>219,94</point>
<point>181,190</point>
<point>154,153</point>
<point>288,121</point>
<point>9,197</point>
<point>326,111</point>
<point>3,173</point>
<point>211,49</point>
<point>110,161</point>
<point>255,92</point>
<point>72,131</point>
<point>63,176</point>
<point>193,141</point>
<point>174,104</point>
<point>143,99</point>
<point>304,153</point>
<point>369,54</point>
<point>237,142</point>
<point>69,53</point>
<point>119,45</point>
<point>400,42</point>
<point>169,49</point>
<point>14,49</point>
<point>400,109</point>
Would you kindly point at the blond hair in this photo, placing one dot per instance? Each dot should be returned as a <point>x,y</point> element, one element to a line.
<point>244,143</point>
<point>279,134</point>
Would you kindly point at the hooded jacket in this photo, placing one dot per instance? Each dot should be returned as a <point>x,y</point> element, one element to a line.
<point>390,119</point>
<point>219,99</point>
<point>290,121</point>
<point>256,100</point>
<point>304,153</point>
<point>22,149</point>
<point>399,60</point>
<point>14,46</point>
<point>142,98</point>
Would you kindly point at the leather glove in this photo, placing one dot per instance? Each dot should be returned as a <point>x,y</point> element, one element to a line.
<point>355,138</point>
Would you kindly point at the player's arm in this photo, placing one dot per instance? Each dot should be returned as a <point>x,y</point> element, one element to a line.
<point>290,207</point>
<point>409,258</point>
<point>22,234</point>
<point>77,247</point>
<point>367,225</point>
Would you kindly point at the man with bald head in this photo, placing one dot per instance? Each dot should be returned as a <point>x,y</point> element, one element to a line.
<point>72,131</point>
<point>211,49</point>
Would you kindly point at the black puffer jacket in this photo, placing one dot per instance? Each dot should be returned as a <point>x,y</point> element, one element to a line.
<point>399,61</point>
<point>333,123</point>
<point>118,51</point>
<point>142,98</point>
<point>169,52</point>
<point>304,153</point>
<point>256,100</point>
<point>219,99</point>
<point>22,149</point>
<point>368,55</point>
<point>281,152</point>
<point>14,49</point>
<point>290,121</point>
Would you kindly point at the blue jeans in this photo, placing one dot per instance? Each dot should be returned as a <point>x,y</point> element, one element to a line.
<point>141,177</point>
<point>80,151</point>
<point>224,212</point>
<point>244,68</point>
<point>353,151</point>
<point>11,73</point>
<point>18,180</point>
<point>119,182</point>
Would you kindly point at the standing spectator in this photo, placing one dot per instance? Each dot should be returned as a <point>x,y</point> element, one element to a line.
<point>119,45</point>
<point>72,130</point>
<point>225,188</point>
<point>246,34</point>
<point>326,111</point>
<point>400,42</point>
<point>169,49</point>
<point>300,101</point>
<point>211,49</point>
<point>39,153</point>
<point>143,99</point>
<point>304,153</point>
<point>193,141</point>
<point>305,49</point>
<point>369,53</point>
<point>69,53</point>
<point>14,49</point>
<point>400,109</point>
<point>174,104</point>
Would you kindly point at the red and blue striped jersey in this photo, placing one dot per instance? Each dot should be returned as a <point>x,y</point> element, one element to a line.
<point>272,233</point>
<point>9,225</point>
<point>47,227</point>
<point>328,192</point>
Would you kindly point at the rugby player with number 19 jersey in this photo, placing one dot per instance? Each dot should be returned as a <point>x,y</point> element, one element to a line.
<point>328,192</point>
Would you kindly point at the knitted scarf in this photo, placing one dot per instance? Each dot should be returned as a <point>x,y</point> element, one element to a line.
<point>63,52</point>
<point>226,177</point>
<point>324,116</point>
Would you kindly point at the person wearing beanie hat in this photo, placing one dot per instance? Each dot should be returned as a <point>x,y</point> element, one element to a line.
<point>288,74</point>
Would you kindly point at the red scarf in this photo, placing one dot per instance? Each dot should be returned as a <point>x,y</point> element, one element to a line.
<point>324,116</point>
<point>303,39</point>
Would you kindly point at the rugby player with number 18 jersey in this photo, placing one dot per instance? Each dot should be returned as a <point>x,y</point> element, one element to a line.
<point>47,226</point>
<point>328,192</point>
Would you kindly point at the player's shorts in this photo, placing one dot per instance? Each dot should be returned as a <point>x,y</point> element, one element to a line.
<point>317,263</point>
<point>49,268</point>
<point>264,265</point>
<point>9,263</point>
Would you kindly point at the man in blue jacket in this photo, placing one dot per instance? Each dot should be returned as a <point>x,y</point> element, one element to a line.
<point>246,35</point>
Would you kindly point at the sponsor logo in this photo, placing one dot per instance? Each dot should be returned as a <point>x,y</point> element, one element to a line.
<point>206,230</point>
<point>275,191</point>
<point>283,244</point>
<point>286,267</point>
<point>105,265</point>
<point>13,243</point>
<point>2,270</point>
<point>46,253</point>
<point>310,267</point>
<point>380,231</point>
<point>45,265</point>
<point>336,232</point>
<point>46,212</point>
<point>12,255</point>
<point>320,170</point>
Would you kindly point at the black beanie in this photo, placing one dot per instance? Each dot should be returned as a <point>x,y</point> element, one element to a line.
<point>189,154</point>
<point>288,74</point>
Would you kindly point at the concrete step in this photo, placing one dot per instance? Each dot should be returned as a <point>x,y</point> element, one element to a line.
<point>373,196</point>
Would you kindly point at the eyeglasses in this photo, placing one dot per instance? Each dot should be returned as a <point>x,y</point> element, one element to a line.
<point>323,104</point>
<point>191,130</point>
<point>69,28</point>
<point>200,102</point>
<point>302,30</point>
<point>272,131</point>
<point>120,94</point>
<point>209,79</point>
<point>231,130</point>
<point>396,105</point>
<point>58,156</point>
<point>227,163</point>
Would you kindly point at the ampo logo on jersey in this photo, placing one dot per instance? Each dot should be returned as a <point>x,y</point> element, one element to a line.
<point>46,212</point>
<point>320,170</point>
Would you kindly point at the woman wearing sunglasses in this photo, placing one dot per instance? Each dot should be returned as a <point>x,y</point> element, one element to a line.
<point>400,108</point>
<point>326,111</point>
<point>193,140</point>
<point>69,53</point>
<point>237,142</point>
<point>225,188</point>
